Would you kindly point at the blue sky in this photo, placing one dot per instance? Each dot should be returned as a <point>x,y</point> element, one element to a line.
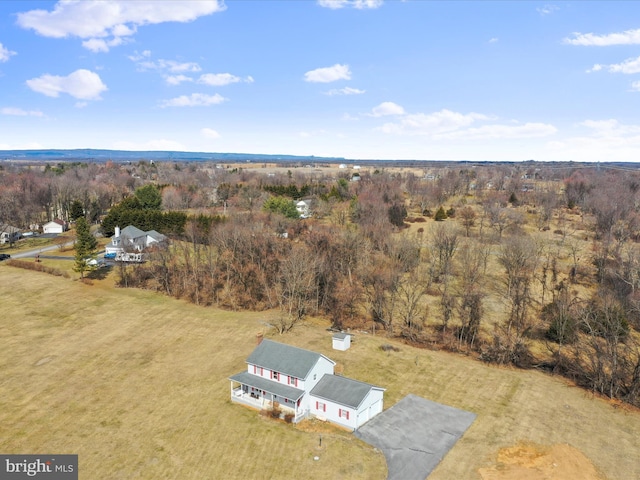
<point>361,79</point>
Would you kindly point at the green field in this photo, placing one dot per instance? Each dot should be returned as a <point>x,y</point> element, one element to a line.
<point>136,384</point>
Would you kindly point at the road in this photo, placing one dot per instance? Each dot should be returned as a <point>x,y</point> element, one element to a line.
<point>39,251</point>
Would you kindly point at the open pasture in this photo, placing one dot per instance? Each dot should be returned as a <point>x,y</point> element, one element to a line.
<point>136,384</point>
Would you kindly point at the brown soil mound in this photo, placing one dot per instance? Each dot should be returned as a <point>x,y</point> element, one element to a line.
<point>527,461</point>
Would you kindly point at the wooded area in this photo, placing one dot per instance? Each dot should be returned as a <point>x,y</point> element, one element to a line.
<point>534,265</point>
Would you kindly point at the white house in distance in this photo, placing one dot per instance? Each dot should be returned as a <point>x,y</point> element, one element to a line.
<point>132,239</point>
<point>54,226</point>
<point>9,234</point>
<point>304,208</point>
<point>301,383</point>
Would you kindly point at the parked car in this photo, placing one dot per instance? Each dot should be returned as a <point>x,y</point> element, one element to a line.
<point>110,255</point>
<point>4,256</point>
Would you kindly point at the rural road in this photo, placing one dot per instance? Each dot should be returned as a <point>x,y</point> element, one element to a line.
<point>39,251</point>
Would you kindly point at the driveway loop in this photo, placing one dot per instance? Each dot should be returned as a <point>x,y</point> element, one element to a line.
<point>414,435</point>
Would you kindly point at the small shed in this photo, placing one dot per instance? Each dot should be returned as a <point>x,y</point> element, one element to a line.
<point>341,341</point>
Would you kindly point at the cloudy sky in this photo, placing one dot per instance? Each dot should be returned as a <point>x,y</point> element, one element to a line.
<point>361,79</point>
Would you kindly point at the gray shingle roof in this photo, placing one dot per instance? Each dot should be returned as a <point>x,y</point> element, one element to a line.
<point>158,237</point>
<point>340,335</point>
<point>342,390</point>
<point>132,232</point>
<point>270,386</point>
<point>285,359</point>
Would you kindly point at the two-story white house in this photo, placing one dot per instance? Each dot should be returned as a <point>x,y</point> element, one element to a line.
<point>301,382</point>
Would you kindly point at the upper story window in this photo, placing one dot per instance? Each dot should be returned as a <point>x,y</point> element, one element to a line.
<point>275,375</point>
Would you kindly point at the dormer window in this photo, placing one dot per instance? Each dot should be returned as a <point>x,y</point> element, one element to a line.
<point>275,376</point>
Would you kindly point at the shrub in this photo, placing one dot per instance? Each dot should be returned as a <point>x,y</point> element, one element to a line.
<point>440,215</point>
<point>275,412</point>
<point>288,417</point>
<point>420,220</point>
<point>385,347</point>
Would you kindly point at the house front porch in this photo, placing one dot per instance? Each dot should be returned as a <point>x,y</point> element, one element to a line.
<point>261,394</point>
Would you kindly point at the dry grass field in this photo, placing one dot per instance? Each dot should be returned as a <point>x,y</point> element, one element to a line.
<point>136,384</point>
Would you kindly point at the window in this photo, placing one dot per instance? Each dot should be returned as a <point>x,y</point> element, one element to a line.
<point>293,381</point>
<point>275,375</point>
<point>321,406</point>
<point>344,413</point>
<point>314,376</point>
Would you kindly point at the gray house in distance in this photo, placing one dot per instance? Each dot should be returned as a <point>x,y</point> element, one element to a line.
<point>132,239</point>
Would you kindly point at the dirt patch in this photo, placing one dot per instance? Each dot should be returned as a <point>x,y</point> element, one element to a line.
<point>528,461</point>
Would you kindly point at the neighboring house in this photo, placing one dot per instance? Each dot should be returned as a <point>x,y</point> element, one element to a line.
<point>54,226</point>
<point>304,208</point>
<point>9,234</point>
<point>132,239</point>
<point>301,383</point>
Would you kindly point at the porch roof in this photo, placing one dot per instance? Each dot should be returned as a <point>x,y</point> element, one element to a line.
<point>270,386</point>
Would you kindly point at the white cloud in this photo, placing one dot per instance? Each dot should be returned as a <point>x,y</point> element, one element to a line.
<point>100,45</point>
<point>493,40</point>
<point>604,140</point>
<point>136,57</point>
<point>547,9</point>
<point>177,79</point>
<point>610,128</point>
<point>387,108</point>
<point>81,84</point>
<point>210,133</point>
<point>344,91</point>
<point>5,53</point>
<point>328,74</point>
<point>221,79</point>
<point>168,65</point>
<point>497,131</point>
<point>24,146</point>
<point>194,100</point>
<point>113,20</point>
<point>359,4</point>
<point>20,112</point>
<point>157,144</point>
<point>628,37</point>
<point>635,86</point>
<point>630,65</point>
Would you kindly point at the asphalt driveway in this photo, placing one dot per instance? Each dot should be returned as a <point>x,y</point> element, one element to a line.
<point>414,435</point>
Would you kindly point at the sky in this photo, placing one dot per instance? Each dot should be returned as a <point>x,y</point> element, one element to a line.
<point>359,79</point>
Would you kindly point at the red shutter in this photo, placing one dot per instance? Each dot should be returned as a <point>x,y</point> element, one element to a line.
<point>316,405</point>
<point>255,370</point>
<point>347,414</point>
<point>324,407</point>
<point>339,412</point>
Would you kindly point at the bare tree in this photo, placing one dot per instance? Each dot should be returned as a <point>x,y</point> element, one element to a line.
<point>296,287</point>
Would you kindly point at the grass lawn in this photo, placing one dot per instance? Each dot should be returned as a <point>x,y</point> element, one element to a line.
<point>136,384</point>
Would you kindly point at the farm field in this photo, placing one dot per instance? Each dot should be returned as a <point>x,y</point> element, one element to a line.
<point>136,384</point>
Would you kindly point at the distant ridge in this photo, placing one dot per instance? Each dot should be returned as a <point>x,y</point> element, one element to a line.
<point>98,155</point>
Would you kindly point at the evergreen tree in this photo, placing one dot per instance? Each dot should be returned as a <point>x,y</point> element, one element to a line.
<point>149,197</point>
<point>86,245</point>
<point>281,205</point>
<point>76,210</point>
<point>440,215</point>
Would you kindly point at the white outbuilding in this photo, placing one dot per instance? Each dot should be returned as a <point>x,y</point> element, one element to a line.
<point>341,341</point>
